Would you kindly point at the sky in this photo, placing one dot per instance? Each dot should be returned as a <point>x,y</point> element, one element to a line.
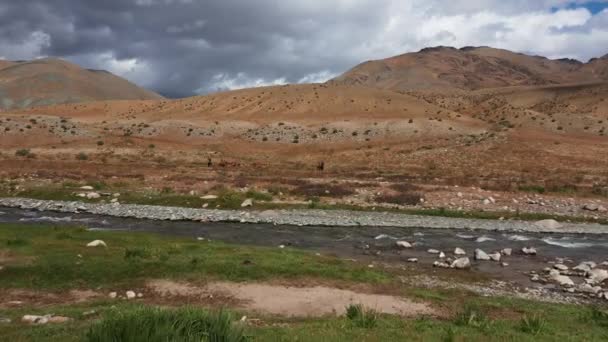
<point>186,47</point>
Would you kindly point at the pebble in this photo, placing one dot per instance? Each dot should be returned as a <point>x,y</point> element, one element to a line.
<point>433,251</point>
<point>412,260</point>
<point>308,217</point>
<point>529,250</point>
<point>113,295</point>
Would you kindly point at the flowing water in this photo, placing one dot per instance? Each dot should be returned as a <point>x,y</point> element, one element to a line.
<point>362,243</point>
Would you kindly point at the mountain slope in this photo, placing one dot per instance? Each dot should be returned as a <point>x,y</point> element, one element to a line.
<point>53,81</point>
<point>471,68</point>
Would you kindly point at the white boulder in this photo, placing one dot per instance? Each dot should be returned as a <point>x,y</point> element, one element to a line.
<point>495,256</point>
<point>459,251</point>
<point>481,255</point>
<point>403,244</point>
<point>529,250</point>
<point>247,203</point>
<point>560,279</point>
<point>597,276</point>
<point>34,319</point>
<point>93,195</point>
<point>97,243</point>
<point>548,224</point>
<point>461,263</point>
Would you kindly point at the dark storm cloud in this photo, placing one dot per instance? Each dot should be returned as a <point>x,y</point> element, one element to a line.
<point>183,47</point>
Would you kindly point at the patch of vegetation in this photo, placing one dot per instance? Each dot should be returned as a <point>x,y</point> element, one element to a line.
<point>532,188</point>
<point>533,324</point>
<point>404,198</point>
<point>472,316</point>
<point>24,152</point>
<point>361,317</point>
<point>161,325</point>
<point>322,190</point>
<point>130,258</point>
<point>82,156</point>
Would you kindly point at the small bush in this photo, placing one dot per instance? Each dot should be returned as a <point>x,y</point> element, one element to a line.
<point>599,316</point>
<point>24,152</point>
<point>361,317</point>
<point>16,242</point>
<point>82,156</point>
<point>258,196</point>
<point>160,325</point>
<point>532,324</point>
<point>322,190</point>
<point>137,253</point>
<point>100,143</point>
<point>472,317</point>
<point>532,188</point>
<point>404,198</point>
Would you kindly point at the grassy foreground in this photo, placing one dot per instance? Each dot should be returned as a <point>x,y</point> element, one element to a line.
<point>46,258</point>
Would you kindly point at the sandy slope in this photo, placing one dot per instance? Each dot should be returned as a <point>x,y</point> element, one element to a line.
<point>52,81</point>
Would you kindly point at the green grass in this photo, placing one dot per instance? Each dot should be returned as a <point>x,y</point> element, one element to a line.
<point>561,323</point>
<point>57,258</point>
<point>361,317</point>
<point>46,258</point>
<point>162,325</point>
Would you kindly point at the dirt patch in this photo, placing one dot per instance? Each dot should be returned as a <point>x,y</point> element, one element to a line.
<point>167,292</point>
<point>293,301</point>
<point>22,297</point>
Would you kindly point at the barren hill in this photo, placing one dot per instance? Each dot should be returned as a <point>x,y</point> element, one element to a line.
<point>52,81</point>
<point>471,68</point>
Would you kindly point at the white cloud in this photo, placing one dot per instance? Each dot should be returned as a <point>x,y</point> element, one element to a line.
<point>239,81</point>
<point>317,77</point>
<point>30,47</point>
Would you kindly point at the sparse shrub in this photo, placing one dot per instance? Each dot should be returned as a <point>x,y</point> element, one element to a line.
<point>160,325</point>
<point>599,316</point>
<point>82,156</point>
<point>361,317</point>
<point>99,143</point>
<point>404,187</point>
<point>322,190</point>
<point>258,196</point>
<point>24,152</point>
<point>137,253</point>
<point>532,324</point>
<point>472,317</point>
<point>16,242</point>
<point>533,188</point>
<point>403,198</point>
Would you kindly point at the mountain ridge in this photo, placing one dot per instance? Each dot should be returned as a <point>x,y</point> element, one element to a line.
<point>49,81</point>
<point>471,68</point>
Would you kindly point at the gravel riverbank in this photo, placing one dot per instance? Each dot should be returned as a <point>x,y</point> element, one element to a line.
<point>309,217</point>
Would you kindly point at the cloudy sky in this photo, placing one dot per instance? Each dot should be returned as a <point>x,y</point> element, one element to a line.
<point>186,47</point>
